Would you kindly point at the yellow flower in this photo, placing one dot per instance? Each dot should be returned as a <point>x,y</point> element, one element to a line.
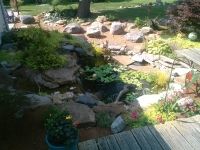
<point>68,117</point>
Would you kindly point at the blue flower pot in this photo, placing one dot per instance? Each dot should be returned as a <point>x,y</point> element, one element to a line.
<point>64,147</point>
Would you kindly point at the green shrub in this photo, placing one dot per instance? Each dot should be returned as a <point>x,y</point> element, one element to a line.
<point>39,48</point>
<point>104,120</point>
<point>102,74</point>
<point>158,47</point>
<point>135,77</point>
<point>140,22</point>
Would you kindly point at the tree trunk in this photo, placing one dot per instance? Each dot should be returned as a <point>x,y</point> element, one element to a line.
<point>84,8</point>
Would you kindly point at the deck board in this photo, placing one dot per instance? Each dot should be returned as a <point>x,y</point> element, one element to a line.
<point>192,54</point>
<point>183,134</point>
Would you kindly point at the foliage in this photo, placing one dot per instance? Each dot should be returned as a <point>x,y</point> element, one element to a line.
<point>180,41</point>
<point>60,128</point>
<point>137,119</point>
<point>11,103</point>
<point>103,73</point>
<point>160,80</point>
<point>185,14</point>
<point>135,77</point>
<point>98,51</point>
<point>140,22</point>
<point>104,120</point>
<point>130,97</point>
<point>11,57</point>
<point>38,48</point>
<point>193,79</point>
<point>55,3</point>
<point>158,47</point>
<point>111,17</point>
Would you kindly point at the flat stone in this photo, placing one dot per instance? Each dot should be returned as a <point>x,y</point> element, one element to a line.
<point>138,58</point>
<point>59,98</point>
<point>37,100</point>
<point>137,37</point>
<point>123,59</point>
<point>145,101</point>
<point>88,99</point>
<point>62,76</point>
<point>81,114</point>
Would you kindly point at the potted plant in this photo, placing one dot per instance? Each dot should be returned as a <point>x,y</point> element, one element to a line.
<point>61,133</point>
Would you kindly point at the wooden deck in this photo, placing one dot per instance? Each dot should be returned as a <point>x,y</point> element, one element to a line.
<point>183,134</point>
<point>192,54</point>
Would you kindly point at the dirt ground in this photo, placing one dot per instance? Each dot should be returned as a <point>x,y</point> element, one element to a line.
<point>28,132</point>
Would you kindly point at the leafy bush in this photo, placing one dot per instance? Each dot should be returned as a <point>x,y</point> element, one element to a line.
<point>103,73</point>
<point>140,22</point>
<point>60,128</point>
<point>38,48</point>
<point>104,120</point>
<point>160,80</point>
<point>130,97</point>
<point>181,42</point>
<point>158,47</point>
<point>134,77</point>
<point>185,14</point>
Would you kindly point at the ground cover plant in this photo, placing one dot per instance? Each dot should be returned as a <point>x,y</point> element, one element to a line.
<point>167,109</point>
<point>37,48</point>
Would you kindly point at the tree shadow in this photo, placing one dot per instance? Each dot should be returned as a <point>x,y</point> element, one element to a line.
<point>131,13</point>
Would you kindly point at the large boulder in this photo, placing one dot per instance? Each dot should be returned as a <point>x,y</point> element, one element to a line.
<point>93,32</point>
<point>81,114</point>
<point>37,100</point>
<point>135,36</point>
<point>146,30</point>
<point>38,78</point>
<point>73,28</point>
<point>27,19</point>
<point>59,98</point>
<point>61,76</point>
<point>117,28</point>
<point>88,99</point>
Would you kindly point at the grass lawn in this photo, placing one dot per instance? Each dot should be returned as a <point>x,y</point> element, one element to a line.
<point>111,9</point>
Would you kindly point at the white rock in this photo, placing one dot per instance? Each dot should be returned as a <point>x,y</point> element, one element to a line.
<point>117,28</point>
<point>147,100</point>
<point>146,30</point>
<point>181,71</point>
<point>137,58</point>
